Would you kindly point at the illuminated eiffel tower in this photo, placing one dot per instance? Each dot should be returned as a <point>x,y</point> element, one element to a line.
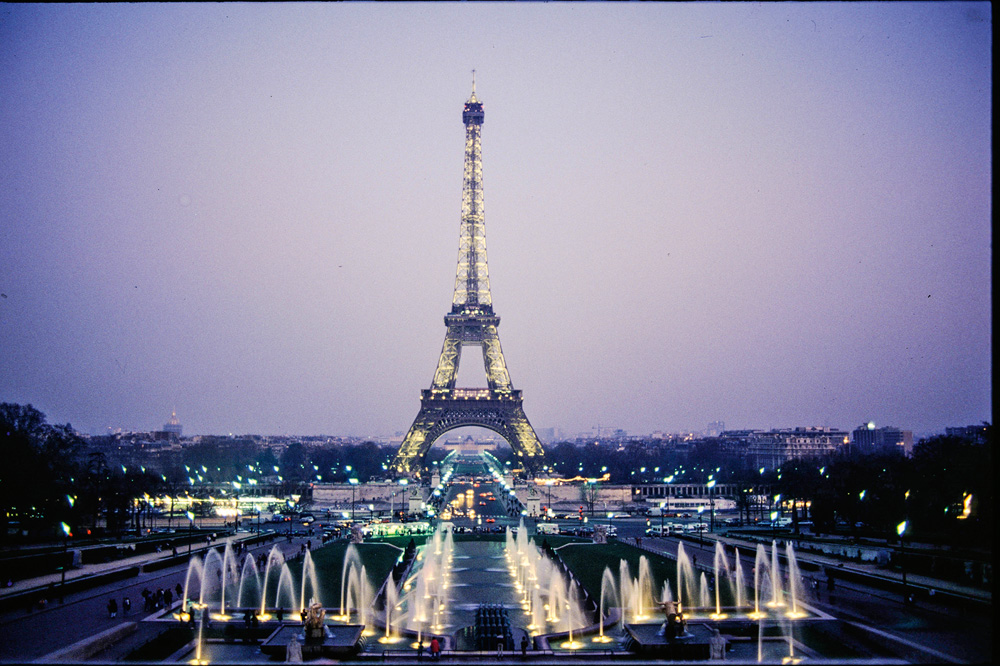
<point>470,322</point>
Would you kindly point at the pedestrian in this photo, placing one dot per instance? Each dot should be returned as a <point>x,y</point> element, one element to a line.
<point>112,608</point>
<point>126,605</point>
<point>168,597</point>
<point>420,649</point>
<point>524,645</point>
<point>435,649</point>
<point>179,590</point>
<point>500,643</point>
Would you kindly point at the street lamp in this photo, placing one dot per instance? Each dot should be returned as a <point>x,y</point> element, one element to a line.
<point>711,499</point>
<point>901,530</point>
<point>701,525</point>
<point>354,484</point>
<point>66,535</point>
<point>190,517</point>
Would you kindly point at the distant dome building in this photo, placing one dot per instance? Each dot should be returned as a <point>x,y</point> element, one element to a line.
<point>173,426</point>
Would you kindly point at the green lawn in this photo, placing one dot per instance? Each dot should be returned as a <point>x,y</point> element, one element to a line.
<point>377,558</point>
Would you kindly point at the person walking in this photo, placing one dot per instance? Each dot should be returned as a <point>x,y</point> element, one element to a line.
<point>112,608</point>
<point>420,649</point>
<point>126,606</point>
<point>435,649</point>
<point>524,645</point>
<point>500,642</point>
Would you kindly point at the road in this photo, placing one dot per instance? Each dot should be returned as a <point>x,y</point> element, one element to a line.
<point>25,636</point>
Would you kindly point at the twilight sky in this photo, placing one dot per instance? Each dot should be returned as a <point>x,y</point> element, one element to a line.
<point>773,214</point>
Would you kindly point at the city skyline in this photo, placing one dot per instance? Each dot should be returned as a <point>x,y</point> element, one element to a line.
<point>769,215</point>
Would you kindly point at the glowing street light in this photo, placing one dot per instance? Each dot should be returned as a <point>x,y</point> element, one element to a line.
<point>354,484</point>
<point>901,530</point>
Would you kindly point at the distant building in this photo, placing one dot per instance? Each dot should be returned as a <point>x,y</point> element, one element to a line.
<point>772,448</point>
<point>715,428</point>
<point>173,426</point>
<point>869,438</point>
<point>976,433</point>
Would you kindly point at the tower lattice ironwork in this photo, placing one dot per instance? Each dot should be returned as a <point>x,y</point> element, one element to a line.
<point>471,322</point>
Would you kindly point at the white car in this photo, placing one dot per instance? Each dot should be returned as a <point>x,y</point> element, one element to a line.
<point>697,527</point>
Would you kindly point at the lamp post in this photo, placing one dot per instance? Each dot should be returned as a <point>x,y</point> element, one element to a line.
<point>711,500</point>
<point>701,525</point>
<point>190,517</point>
<point>354,484</point>
<point>901,530</point>
<point>66,535</point>
<point>775,514</point>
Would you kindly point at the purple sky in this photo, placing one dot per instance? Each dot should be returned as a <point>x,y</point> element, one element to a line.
<point>771,214</point>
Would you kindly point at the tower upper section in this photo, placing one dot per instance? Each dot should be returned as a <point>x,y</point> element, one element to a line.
<point>473,113</point>
<point>472,280</point>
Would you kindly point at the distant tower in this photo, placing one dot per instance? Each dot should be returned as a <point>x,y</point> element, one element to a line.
<point>470,322</point>
<point>173,426</point>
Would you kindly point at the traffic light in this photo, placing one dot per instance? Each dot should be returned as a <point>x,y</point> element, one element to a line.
<point>581,513</point>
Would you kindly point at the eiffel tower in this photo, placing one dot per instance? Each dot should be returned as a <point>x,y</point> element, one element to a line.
<point>471,321</point>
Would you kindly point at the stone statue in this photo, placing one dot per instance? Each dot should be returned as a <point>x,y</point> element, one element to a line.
<point>314,625</point>
<point>716,645</point>
<point>294,652</point>
<point>675,624</point>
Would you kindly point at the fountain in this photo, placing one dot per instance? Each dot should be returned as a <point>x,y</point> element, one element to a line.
<point>315,639</point>
<point>248,574</point>
<point>720,598</point>
<point>720,565</point>
<point>308,577</point>
<point>608,591</point>
<point>391,601</point>
<point>275,559</point>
